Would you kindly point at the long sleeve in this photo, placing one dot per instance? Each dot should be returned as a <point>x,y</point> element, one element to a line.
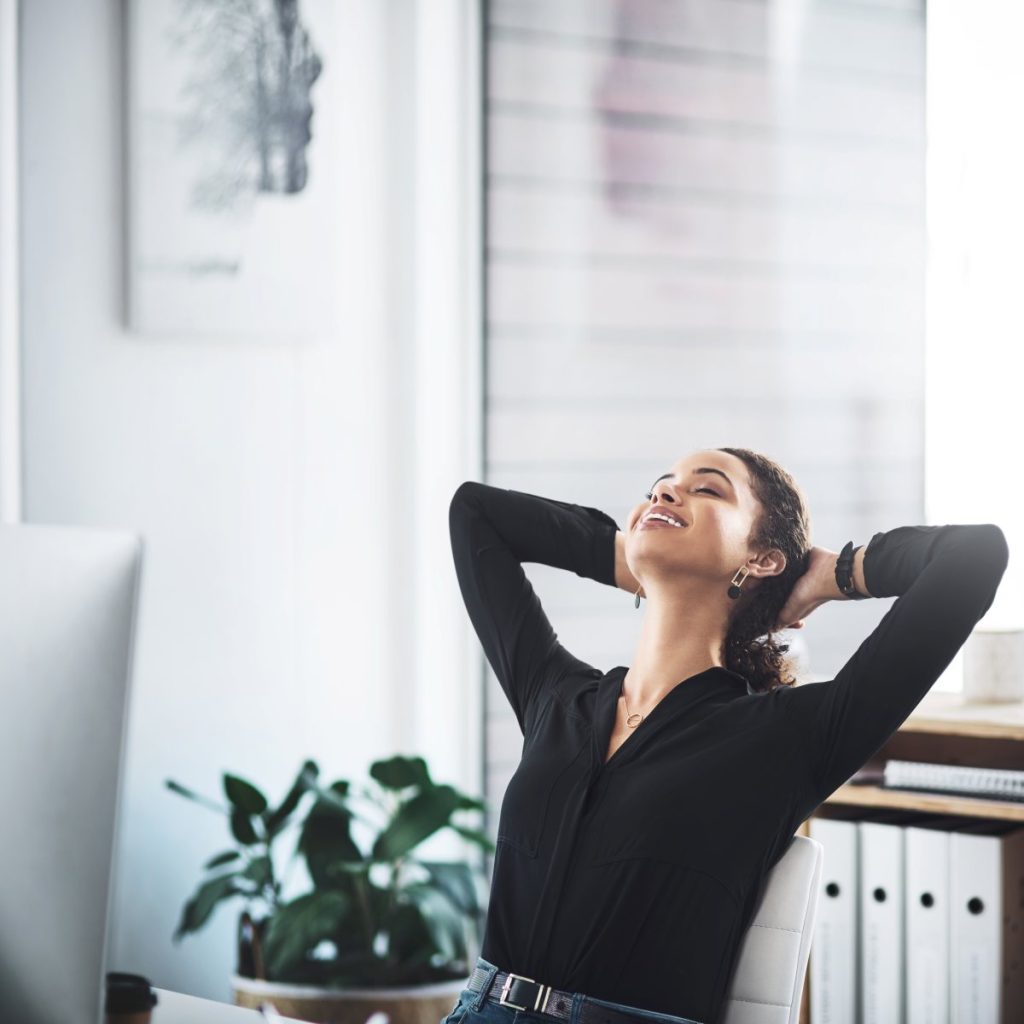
<point>945,579</point>
<point>494,530</point>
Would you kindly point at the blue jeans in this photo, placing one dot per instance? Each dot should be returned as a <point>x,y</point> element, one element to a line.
<point>475,1008</point>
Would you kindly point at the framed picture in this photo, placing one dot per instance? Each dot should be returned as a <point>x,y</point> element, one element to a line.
<point>233,165</point>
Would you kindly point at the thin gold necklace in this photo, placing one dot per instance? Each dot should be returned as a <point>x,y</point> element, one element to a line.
<point>629,717</point>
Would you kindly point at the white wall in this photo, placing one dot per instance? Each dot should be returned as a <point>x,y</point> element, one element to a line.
<point>10,428</point>
<point>272,482</point>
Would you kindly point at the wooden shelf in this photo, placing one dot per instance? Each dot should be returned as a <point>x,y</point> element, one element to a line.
<point>942,729</point>
<point>948,714</point>
<point>931,803</point>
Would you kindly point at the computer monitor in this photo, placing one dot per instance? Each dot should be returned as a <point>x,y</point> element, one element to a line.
<point>68,600</point>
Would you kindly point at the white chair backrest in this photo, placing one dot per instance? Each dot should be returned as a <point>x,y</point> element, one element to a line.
<point>769,977</point>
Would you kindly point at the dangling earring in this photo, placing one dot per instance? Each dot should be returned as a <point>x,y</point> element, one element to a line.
<point>737,582</point>
<point>638,589</point>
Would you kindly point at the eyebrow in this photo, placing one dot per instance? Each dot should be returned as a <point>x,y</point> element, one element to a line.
<point>701,469</point>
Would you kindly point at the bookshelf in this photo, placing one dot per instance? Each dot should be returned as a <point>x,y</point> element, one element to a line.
<point>942,729</point>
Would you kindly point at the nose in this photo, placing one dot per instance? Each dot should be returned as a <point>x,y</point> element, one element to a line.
<point>657,499</point>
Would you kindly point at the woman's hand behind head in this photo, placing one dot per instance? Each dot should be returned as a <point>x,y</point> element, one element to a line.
<point>811,589</point>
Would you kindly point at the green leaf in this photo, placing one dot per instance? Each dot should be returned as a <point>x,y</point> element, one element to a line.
<point>177,787</point>
<point>455,881</point>
<point>399,772</point>
<point>298,926</point>
<point>243,795</point>
<point>326,843</point>
<point>333,796</point>
<point>473,835</point>
<point>222,858</point>
<point>351,867</point>
<point>415,820</point>
<point>276,819</point>
<point>364,969</point>
<point>198,909</point>
<point>446,925</point>
<point>471,803</point>
<point>409,937</point>
<point>260,871</point>
<point>242,828</point>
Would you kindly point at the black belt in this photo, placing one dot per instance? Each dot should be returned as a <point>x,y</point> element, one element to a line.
<point>522,993</point>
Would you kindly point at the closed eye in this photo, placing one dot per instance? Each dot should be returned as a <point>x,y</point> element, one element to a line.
<point>650,494</point>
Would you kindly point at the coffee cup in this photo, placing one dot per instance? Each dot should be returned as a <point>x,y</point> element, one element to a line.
<point>994,666</point>
<point>130,999</point>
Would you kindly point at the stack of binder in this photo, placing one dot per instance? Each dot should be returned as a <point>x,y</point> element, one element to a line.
<point>920,920</point>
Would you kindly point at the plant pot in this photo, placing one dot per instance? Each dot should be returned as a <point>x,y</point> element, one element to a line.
<point>411,1004</point>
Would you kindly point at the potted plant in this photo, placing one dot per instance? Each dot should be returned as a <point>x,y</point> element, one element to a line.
<point>380,929</point>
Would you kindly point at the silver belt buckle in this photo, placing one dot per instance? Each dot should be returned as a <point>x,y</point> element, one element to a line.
<point>544,990</point>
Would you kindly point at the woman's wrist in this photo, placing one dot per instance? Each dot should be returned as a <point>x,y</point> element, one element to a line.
<point>831,586</point>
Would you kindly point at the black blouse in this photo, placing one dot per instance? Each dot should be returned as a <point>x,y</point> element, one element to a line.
<point>635,881</point>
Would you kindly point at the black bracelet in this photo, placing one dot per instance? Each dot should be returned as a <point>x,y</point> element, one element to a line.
<point>844,572</point>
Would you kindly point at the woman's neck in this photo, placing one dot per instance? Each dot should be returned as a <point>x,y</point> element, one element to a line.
<point>678,639</point>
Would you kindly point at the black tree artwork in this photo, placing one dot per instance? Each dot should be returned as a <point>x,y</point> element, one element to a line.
<point>248,97</point>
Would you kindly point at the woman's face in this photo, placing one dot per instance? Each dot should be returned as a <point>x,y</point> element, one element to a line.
<point>711,492</point>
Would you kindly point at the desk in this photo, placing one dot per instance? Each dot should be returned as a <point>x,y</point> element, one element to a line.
<point>177,1008</point>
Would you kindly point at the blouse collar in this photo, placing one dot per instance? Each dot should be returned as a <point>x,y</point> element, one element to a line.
<point>715,684</point>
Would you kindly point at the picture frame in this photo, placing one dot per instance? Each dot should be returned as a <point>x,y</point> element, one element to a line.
<point>233,166</point>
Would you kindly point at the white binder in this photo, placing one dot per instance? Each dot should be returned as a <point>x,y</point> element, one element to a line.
<point>987,924</point>
<point>835,948</point>
<point>882,917</point>
<point>927,917</point>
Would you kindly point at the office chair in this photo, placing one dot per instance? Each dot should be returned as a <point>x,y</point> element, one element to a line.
<point>769,977</point>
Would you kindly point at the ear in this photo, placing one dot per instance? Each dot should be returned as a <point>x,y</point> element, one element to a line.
<point>771,563</point>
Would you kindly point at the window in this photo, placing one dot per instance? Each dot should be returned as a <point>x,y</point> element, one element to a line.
<point>704,227</point>
<point>975,321</point>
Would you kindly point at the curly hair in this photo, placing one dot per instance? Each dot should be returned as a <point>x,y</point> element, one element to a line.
<point>749,647</point>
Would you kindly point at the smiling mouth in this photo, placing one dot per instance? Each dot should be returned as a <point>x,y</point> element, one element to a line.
<point>654,521</point>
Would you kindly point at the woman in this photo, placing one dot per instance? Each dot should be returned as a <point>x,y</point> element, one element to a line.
<point>651,801</point>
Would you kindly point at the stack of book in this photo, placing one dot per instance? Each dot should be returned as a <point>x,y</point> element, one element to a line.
<point>920,920</point>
